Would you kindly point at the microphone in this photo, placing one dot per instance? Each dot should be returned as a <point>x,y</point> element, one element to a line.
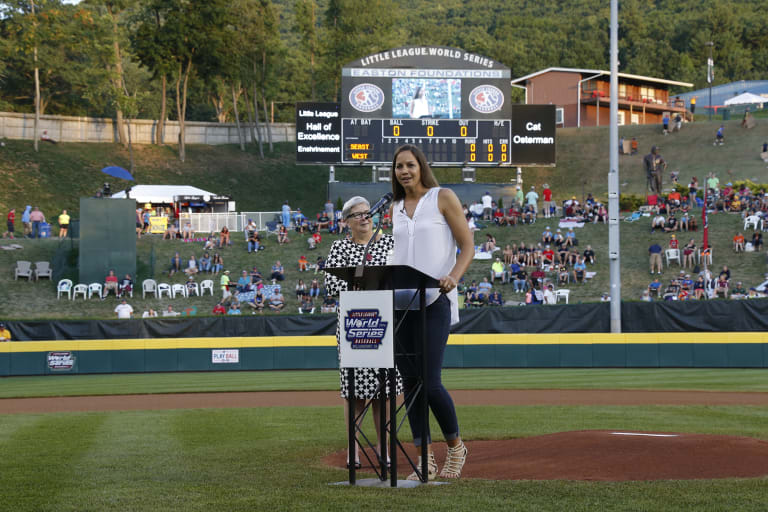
<point>381,204</point>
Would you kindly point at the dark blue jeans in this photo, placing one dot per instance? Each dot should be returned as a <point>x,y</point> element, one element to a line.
<point>36,229</point>
<point>409,341</point>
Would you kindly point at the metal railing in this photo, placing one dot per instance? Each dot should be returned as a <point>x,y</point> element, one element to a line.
<point>235,221</point>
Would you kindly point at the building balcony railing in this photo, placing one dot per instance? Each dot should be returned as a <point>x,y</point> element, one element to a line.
<point>649,104</point>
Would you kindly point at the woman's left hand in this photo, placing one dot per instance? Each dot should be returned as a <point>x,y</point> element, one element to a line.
<point>447,283</point>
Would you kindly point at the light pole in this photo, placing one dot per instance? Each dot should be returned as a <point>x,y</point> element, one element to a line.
<point>710,74</point>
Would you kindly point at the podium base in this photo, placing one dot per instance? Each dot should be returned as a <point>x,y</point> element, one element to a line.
<point>401,484</point>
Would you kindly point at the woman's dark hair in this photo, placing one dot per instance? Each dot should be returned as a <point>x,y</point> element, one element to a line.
<point>427,178</point>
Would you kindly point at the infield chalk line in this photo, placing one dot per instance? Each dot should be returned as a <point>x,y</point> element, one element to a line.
<point>641,434</point>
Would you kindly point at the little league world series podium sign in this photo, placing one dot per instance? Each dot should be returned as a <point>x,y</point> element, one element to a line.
<point>366,329</point>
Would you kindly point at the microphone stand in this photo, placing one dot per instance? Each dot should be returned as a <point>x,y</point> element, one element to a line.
<point>359,268</point>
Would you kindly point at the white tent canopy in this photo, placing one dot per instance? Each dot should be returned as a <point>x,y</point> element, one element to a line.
<point>162,194</point>
<point>746,98</point>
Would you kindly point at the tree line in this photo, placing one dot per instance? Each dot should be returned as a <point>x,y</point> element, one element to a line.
<point>249,61</point>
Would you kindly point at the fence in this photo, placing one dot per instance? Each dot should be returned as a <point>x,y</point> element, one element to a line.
<point>91,129</point>
<point>213,222</point>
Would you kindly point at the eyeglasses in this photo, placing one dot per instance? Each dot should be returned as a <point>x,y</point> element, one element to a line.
<point>358,215</point>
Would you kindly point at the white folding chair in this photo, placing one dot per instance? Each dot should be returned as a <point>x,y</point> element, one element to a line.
<point>80,288</point>
<point>163,288</point>
<point>95,288</point>
<point>206,285</point>
<point>562,293</point>
<point>148,286</point>
<point>673,254</point>
<point>753,220</point>
<point>178,288</point>
<point>64,286</point>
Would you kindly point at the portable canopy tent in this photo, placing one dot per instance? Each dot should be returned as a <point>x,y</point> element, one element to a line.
<point>746,98</point>
<point>175,194</point>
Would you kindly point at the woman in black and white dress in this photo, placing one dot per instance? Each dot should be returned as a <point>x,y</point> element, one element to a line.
<point>348,252</point>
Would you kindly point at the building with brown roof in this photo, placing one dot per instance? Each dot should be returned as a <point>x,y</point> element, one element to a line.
<point>582,96</point>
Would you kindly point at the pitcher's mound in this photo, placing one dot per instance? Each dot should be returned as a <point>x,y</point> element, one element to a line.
<point>606,456</point>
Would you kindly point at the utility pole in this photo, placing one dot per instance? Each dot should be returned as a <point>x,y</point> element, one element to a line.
<point>614,245</point>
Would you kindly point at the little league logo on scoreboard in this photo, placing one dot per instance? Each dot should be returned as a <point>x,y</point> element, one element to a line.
<point>365,328</point>
<point>366,98</point>
<point>486,99</point>
<point>366,335</point>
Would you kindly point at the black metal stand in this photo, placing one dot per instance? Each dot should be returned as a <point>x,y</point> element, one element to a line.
<point>389,278</point>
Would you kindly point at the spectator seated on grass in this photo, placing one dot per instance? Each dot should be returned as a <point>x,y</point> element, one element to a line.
<point>474,300</point>
<point>319,264</point>
<point>498,216</point>
<point>170,232</point>
<point>204,263</point>
<point>687,283</point>
<point>520,281</point>
<point>323,220</point>
<point>219,309</point>
<point>303,263</point>
<point>329,305</point>
<point>671,224</point>
<point>111,284</point>
<point>484,287</point>
<point>150,313</point>
<point>494,299</point>
<point>306,307</point>
<point>579,271</point>
<point>512,216</point>
<point>655,287</point>
<point>563,276</point>
<point>257,280</point>
<point>244,282</point>
<point>282,235</point>
<point>498,271</point>
<point>258,302</point>
<point>757,241</point>
<point>276,301</point>
<point>658,222</point>
<point>301,289</point>
<point>253,244</point>
<point>547,237</point>
<point>570,238</point>
<point>234,309</point>
<point>191,268</point>
<point>738,291</point>
<point>187,233</point>
<point>529,214</point>
<point>170,312</point>
<point>589,255</point>
<point>278,272</point>
<point>177,264</point>
<point>224,239</point>
<point>211,243</point>
<point>699,288</point>
<point>738,242</point>
<point>548,255</point>
<point>646,296</point>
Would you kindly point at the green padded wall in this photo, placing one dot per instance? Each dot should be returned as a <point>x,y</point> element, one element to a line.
<point>107,238</point>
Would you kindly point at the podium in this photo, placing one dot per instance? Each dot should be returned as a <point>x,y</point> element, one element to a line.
<point>391,278</point>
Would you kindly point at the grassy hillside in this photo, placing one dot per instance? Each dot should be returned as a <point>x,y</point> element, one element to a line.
<point>56,177</point>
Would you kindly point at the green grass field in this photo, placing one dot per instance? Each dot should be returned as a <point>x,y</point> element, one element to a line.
<point>271,458</point>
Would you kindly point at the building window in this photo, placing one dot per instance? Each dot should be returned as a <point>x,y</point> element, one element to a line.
<point>621,118</point>
<point>560,115</point>
<point>589,86</point>
<point>622,91</point>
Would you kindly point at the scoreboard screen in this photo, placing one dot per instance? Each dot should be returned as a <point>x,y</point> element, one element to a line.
<point>444,141</point>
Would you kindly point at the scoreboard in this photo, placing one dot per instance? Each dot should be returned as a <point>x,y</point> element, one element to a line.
<point>444,141</point>
<point>453,104</point>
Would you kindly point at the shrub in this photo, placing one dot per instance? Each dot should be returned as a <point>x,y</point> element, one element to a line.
<point>630,202</point>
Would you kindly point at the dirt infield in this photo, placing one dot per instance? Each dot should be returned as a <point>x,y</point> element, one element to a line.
<point>331,398</point>
<point>583,455</point>
<point>606,456</point>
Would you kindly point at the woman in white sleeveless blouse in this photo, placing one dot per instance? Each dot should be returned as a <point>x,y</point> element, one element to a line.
<point>428,226</point>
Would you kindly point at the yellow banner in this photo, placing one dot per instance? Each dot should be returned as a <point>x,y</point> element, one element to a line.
<point>158,224</point>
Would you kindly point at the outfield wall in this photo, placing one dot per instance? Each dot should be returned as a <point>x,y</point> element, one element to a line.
<point>706,334</point>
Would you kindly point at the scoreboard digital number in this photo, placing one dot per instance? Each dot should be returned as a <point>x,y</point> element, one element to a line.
<point>444,141</point>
